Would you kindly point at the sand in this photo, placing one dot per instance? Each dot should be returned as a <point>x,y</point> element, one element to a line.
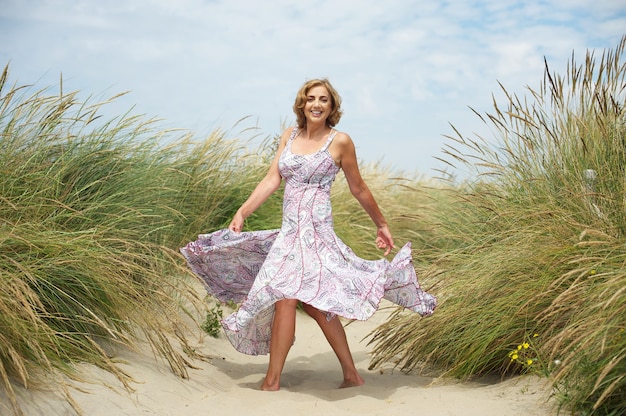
<point>227,384</point>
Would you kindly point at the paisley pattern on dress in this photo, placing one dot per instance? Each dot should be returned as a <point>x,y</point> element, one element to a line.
<point>303,260</point>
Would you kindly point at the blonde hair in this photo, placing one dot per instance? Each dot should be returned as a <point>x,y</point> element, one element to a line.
<point>301,98</point>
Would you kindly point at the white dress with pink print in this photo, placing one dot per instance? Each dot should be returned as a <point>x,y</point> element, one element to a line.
<point>303,260</point>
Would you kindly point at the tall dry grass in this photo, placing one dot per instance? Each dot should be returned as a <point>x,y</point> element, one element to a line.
<point>534,256</point>
<point>92,213</point>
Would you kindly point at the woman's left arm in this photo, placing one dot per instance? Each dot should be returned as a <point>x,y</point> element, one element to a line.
<point>348,162</point>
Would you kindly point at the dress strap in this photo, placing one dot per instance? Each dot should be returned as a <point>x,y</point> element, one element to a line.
<point>331,136</point>
<point>293,135</point>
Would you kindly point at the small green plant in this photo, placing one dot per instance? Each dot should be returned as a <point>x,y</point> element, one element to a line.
<point>211,324</point>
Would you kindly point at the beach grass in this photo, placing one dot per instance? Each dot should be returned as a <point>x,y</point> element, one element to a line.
<point>536,265</point>
<point>92,213</point>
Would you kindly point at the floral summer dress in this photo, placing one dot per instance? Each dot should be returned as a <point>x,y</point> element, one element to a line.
<point>303,260</point>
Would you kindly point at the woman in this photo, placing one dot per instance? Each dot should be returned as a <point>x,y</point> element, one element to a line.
<point>270,271</point>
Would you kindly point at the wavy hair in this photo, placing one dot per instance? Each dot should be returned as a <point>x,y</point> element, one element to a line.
<point>301,98</point>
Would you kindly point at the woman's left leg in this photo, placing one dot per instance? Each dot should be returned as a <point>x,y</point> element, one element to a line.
<point>336,337</point>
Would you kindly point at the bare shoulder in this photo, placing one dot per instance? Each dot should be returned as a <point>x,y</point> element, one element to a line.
<point>288,131</point>
<point>284,137</point>
<point>343,140</point>
<point>343,151</point>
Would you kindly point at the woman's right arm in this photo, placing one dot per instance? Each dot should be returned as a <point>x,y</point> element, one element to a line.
<point>268,185</point>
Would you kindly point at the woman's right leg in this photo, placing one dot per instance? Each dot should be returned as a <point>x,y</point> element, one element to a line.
<point>283,332</point>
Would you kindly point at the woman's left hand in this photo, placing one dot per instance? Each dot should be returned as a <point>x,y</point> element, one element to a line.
<point>384,239</point>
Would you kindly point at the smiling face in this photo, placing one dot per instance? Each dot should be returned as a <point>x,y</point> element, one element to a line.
<point>318,105</point>
<point>316,101</point>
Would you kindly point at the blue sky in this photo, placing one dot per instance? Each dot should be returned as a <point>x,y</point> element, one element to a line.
<point>406,69</point>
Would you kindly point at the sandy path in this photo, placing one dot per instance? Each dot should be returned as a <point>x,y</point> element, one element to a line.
<point>228,385</point>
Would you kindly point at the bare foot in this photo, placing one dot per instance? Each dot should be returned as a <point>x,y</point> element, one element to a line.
<point>266,386</point>
<point>352,382</point>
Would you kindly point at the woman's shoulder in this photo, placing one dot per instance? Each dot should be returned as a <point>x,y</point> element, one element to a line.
<point>342,138</point>
<point>289,131</point>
